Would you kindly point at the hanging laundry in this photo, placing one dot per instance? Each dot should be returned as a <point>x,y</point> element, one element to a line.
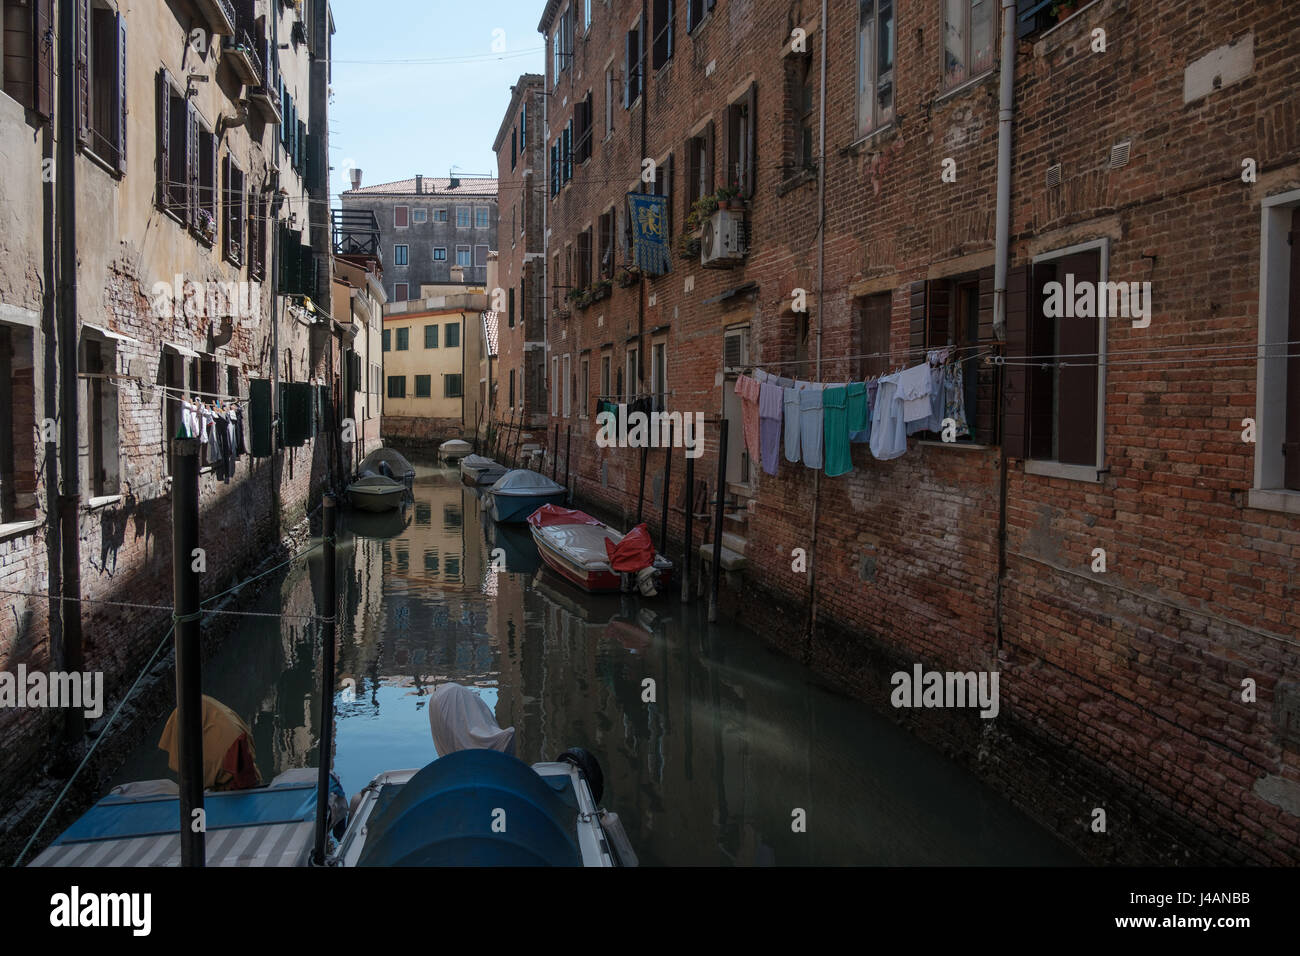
<point>747,389</point>
<point>954,393</point>
<point>835,420</point>
<point>782,382</point>
<point>859,413</point>
<point>241,449</point>
<point>770,401</point>
<point>790,403</point>
<point>810,424</point>
<point>888,430</point>
<point>760,376</point>
<point>914,389</point>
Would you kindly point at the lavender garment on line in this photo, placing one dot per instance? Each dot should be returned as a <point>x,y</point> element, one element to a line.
<point>791,424</point>
<point>810,426</point>
<point>770,400</point>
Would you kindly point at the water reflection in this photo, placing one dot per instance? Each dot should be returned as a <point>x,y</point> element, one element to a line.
<point>710,771</point>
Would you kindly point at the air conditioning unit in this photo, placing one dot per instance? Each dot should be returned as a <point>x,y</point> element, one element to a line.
<point>735,350</point>
<point>722,244</point>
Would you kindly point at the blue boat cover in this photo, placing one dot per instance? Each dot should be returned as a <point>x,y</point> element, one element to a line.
<point>119,817</point>
<point>448,815</point>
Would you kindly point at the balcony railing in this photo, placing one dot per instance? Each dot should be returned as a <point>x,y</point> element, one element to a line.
<point>220,15</point>
<point>356,232</point>
<point>241,49</point>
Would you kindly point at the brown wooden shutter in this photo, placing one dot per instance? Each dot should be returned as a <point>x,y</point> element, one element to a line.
<point>43,58</point>
<point>83,70</point>
<point>668,195</point>
<point>751,171</point>
<point>692,171</point>
<point>1076,439</point>
<point>213,208</point>
<point>917,301</point>
<point>983,419</point>
<point>120,114</point>
<point>164,106</point>
<point>708,158</point>
<point>1291,442</point>
<point>1015,380</point>
<point>728,137</point>
<point>227,209</point>
<point>938,317</point>
<point>191,164</point>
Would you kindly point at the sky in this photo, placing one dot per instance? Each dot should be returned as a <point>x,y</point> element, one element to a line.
<point>393,119</point>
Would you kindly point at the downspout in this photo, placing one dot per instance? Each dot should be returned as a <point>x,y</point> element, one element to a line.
<point>642,288</point>
<point>1006,112</point>
<point>821,288</point>
<point>70,498</point>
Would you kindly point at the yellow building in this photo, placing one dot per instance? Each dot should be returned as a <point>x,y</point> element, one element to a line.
<point>430,348</point>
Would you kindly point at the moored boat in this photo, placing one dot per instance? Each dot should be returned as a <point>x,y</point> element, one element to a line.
<point>390,464</point>
<point>454,449</point>
<point>376,493</point>
<point>574,545</point>
<point>477,470</point>
<point>520,492</point>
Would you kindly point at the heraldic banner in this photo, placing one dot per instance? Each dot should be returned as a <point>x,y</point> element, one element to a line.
<point>649,217</point>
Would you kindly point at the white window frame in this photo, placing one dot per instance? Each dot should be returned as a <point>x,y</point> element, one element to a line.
<point>584,386</point>
<point>408,217</point>
<point>469,251</point>
<point>968,73</point>
<point>875,122</point>
<point>630,364</point>
<point>555,386</point>
<point>567,367</point>
<point>406,254</point>
<point>419,216</point>
<point>658,388</point>
<point>1269,491</point>
<point>469,217</point>
<point>438,249</point>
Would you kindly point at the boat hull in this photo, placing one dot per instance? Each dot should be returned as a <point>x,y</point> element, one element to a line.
<point>516,508</point>
<point>369,500</point>
<point>595,579</point>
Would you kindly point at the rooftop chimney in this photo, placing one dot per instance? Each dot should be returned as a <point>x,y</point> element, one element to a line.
<point>356,178</point>
<point>455,182</point>
<point>419,184</point>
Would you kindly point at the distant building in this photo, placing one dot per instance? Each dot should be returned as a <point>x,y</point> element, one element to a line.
<point>427,227</point>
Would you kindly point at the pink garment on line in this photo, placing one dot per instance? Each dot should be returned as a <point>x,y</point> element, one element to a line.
<point>748,390</point>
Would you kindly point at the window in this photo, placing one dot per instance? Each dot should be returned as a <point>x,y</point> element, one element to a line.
<point>397,386</point>
<point>555,385</point>
<point>205,184</point>
<point>404,340</point>
<point>633,55</point>
<point>606,361</point>
<point>423,386</point>
<point>512,389</point>
<point>440,215</point>
<point>28,78</point>
<point>659,374</point>
<point>611,95</point>
<point>482,217</point>
<point>1052,413</point>
<point>566,150</point>
<point>584,392</point>
<point>401,217</point>
<point>388,342</point>
<point>420,215</point>
<point>431,336</point>
<point>584,258</point>
<point>400,253</point>
<point>562,42</point>
<point>1277,410</point>
<point>663,186</point>
<point>452,337</point>
<point>967,40</point>
<point>440,254</point>
<point>568,387</point>
<point>464,256</point>
<point>451,386</point>
<point>662,50</point>
<point>175,116</point>
<point>258,215</point>
<point>875,64</point>
<point>586,15</point>
<point>401,292</point>
<point>18,422</point>
<point>738,163</point>
<point>695,11</point>
<point>605,229</point>
<point>582,129</point>
<point>480,256</point>
<point>872,320</point>
<point>699,165</point>
<point>514,147</point>
<point>462,217</point>
<point>510,309</point>
<point>633,371</point>
<point>101,80</point>
<point>232,204</point>
<point>800,83</point>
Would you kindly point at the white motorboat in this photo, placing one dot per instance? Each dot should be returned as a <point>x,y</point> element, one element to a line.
<point>376,493</point>
<point>477,470</point>
<point>454,450</point>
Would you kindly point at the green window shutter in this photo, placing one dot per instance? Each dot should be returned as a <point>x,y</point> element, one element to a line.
<point>259,417</point>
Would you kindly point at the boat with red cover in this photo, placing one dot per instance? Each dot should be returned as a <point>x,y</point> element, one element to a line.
<point>594,556</point>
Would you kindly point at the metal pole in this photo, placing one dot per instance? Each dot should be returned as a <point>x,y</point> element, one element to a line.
<point>690,525</point>
<point>716,570</point>
<point>668,480</point>
<point>325,754</point>
<point>189,676</point>
<point>640,494</point>
<point>568,443</point>
<point>555,455</point>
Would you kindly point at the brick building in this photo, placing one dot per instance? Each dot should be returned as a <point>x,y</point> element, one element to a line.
<point>428,227</point>
<point>1164,149</point>
<point>202,272</point>
<point>520,384</point>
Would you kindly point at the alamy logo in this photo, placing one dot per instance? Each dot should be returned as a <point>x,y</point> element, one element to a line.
<point>946,689</point>
<point>197,300</point>
<point>1092,300</point>
<point>652,430</point>
<point>83,692</point>
<point>130,910</point>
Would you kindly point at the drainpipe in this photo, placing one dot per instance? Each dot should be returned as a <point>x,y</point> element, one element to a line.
<point>70,497</point>
<point>1006,111</point>
<point>821,288</point>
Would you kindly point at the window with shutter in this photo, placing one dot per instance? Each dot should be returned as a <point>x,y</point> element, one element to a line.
<point>1291,430</point>
<point>101,82</point>
<point>662,50</point>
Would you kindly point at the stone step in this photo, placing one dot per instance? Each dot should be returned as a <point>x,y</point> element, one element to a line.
<point>742,491</point>
<point>731,561</point>
<point>734,542</point>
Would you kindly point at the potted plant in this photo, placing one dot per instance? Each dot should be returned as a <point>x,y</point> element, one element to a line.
<point>688,245</point>
<point>728,196</point>
<point>627,276</point>
<point>701,209</point>
<point>560,312</point>
<point>1064,9</point>
<point>207,226</point>
<point>601,290</point>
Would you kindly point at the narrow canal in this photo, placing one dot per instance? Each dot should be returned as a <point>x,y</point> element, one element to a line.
<point>739,736</point>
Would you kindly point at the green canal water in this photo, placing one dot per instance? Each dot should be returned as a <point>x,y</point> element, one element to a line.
<point>712,772</point>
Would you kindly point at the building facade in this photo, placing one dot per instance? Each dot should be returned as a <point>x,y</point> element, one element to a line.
<point>520,398</point>
<point>358,304</point>
<point>428,227</point>
<point>190,198</point>
<point>1117,531</point>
